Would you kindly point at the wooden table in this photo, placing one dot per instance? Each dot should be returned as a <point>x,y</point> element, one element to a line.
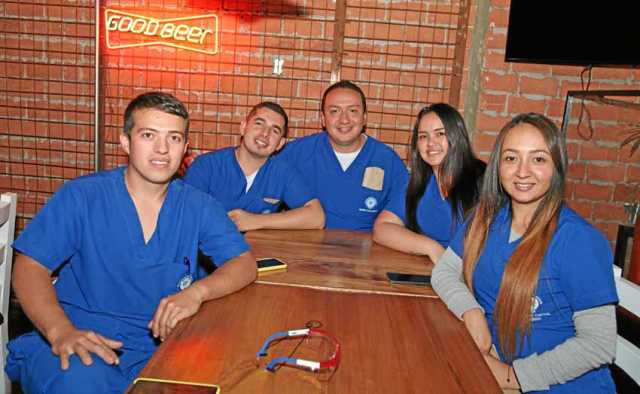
<point>337,260</point>
<point>394,339</point>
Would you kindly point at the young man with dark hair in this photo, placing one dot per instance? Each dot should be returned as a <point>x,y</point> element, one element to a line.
<point>125,245</point>
<point>354,175</point>
<point>251,184</point>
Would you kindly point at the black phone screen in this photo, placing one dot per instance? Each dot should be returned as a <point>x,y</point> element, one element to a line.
<point>152,387</point>
<point>265,263</point>
<point>415,279</point>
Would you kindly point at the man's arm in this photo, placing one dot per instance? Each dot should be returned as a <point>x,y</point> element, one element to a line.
<point>388,230</point>
<point>230,277</point>
<point>32,284</point>
<point>308,216</point>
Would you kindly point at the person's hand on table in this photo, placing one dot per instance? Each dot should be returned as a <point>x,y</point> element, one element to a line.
<point>245,221</point>
<point>477,325</point>
<point>173,309</point>
<point>68,340</point>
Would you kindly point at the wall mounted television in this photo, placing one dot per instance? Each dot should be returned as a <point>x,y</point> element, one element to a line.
<point>574,32</point>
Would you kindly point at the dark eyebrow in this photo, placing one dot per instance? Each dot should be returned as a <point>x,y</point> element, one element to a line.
<point>533,151</point>
<point>158,131</point>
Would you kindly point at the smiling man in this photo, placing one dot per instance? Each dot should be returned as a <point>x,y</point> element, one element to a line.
<point>125,244</point>
<point>251,184</point>
<point>353,174</point>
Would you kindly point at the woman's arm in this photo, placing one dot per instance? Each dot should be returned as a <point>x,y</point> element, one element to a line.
<point>390,231</point>
<point>447,281</point>
<point>593,346</point>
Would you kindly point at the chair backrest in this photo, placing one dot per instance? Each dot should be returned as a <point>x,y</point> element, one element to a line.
<point>8,202</point>
<point>628,316</point>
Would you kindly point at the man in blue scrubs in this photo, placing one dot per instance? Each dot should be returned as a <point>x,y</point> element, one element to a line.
<point>124,243</point>
<point>251,184</point>
<point>353,174</point>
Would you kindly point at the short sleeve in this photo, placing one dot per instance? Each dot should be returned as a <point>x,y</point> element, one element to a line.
<point>586,266</point>
<point>457,241</point>
<point>399,179</point>
<point>198,174</point>
<point>55,233</point>
<point>296,192</point>
<point>219,236</point>
<point>397,206</point>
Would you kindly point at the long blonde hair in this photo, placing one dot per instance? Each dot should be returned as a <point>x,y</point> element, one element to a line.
<point>512,312</point>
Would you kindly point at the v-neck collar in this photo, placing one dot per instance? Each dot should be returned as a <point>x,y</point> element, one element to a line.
<point>334,158</point>
<point>243,178</point>
<point>130,213</point>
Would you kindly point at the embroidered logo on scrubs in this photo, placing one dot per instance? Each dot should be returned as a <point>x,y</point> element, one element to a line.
<point>536,303</point>
<point>370,202</point>
<point>272,201</point>
<point>185,282</point>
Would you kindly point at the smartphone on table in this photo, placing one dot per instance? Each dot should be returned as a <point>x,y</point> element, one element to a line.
<point>162,386</point>
<point>270,264</point>
<point>409,279</point>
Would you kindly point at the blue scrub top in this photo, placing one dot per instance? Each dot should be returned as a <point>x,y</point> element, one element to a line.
<point>576,274</point>
<point>219,174</point>
<point>433,213</point>
<point>113,281</point>
<point>348,201</point>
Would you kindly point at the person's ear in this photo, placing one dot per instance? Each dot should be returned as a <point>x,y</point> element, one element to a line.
<point>243,128</point>
<point>125,142</point>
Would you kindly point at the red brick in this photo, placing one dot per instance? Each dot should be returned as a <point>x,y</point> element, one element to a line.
<point>609,211</point>
<point>590,152</point>
<point>503,83</point>
<point>633,174</point>
<point>593,192</point>
<point>609,173</point>
<point>543,86</point>
<point>491,123</point>
<point>584,209</point>
<point>626,192</point>
<point>519,104</point>
<point>577,171</point>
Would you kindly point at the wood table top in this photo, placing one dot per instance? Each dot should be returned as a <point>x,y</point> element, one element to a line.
<point>337,260</point>
<point>389,343</point>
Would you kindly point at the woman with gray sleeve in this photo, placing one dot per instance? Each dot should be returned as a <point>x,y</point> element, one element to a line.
<point>529,275</point>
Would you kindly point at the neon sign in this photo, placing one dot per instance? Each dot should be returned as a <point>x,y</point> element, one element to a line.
<point>194,33</point>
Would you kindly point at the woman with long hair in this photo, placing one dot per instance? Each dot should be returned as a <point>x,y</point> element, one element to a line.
<point>443,187</point>
<point>528,275</point>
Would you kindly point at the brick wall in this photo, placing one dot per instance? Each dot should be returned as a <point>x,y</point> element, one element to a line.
<point>602,176</point>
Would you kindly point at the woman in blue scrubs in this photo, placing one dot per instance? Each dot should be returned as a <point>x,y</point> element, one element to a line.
<point>444,185</point>
<point>537,279</point>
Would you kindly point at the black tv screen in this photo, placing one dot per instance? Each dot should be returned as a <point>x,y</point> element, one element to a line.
<point>574,32</point>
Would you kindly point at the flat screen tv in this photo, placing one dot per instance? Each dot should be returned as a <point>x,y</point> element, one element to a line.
<point>574,32</point>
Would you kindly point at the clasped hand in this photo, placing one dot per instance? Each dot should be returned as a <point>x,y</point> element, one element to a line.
<point>173,309</point>
<point>244,221</point>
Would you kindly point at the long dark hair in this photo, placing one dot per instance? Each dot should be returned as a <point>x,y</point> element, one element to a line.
<point>460,172</point>
<point>512,312</point>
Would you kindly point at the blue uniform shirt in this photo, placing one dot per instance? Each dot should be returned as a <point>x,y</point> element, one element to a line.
<point>113,281</point>
<point>576,274</point>
<point>433,213</point>
<point>219,174</point>
<point>351,199</point>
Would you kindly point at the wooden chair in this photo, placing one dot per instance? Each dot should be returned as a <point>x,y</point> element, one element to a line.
<point>8,203</point>
<point>626,371</point>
